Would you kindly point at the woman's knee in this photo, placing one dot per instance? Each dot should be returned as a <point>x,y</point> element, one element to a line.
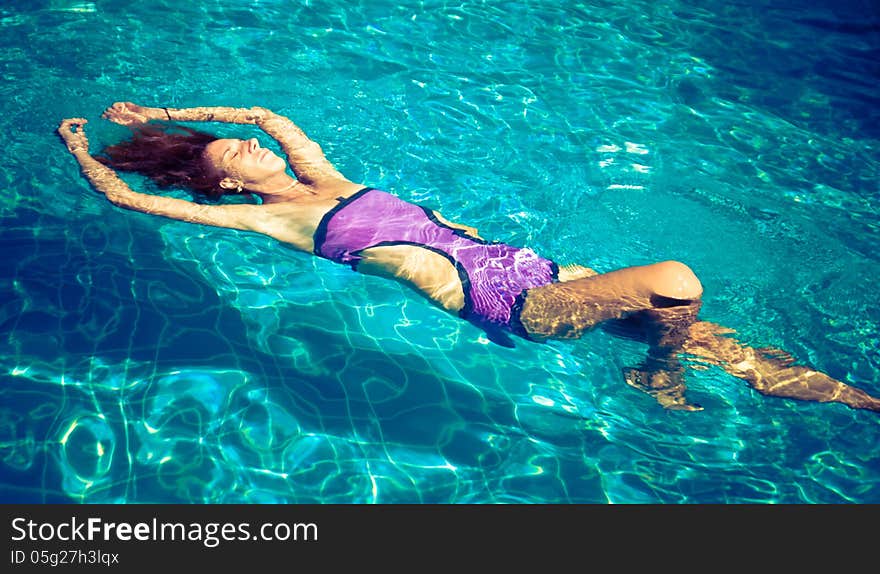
<point>675,280</point>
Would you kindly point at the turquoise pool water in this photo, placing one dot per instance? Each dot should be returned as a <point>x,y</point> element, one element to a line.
<point>146,360</point>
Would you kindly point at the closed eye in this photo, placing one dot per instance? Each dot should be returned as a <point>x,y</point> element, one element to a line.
<point>229,155</point>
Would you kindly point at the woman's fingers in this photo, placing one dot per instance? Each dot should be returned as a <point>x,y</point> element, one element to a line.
<point>117,108</point>
<point>116,113</point>
<point>66,123</point>
<point>125,113</point>
<point>74,139</point>
<point>65,128</point>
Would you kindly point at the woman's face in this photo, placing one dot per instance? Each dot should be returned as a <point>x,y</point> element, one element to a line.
<point>243,160</point>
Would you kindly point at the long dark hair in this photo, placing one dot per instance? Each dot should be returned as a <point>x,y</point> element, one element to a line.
<point>170,155</point>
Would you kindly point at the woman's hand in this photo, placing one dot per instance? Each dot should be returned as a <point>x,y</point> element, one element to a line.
<point>127,114</point>
<point>259,114</point>
<point>76,140</point>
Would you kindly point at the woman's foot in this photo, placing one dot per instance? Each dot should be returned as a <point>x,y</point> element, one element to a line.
<point>666,387</point>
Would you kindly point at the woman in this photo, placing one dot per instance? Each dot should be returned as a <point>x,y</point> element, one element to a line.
<point>503,289</point>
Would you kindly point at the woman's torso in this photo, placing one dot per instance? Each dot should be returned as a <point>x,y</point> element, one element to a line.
<point>295,223</point>
<point>382,235</point>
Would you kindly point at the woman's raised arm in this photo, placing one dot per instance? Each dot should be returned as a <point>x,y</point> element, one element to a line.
<point>119,193</point>
<point>306,157</point>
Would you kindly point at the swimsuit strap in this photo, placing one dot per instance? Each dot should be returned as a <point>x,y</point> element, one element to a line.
<point>320,235</point>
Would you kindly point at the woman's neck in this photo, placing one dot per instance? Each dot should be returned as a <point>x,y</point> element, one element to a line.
<point>281,188</point>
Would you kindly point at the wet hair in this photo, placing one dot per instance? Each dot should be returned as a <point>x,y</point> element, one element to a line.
<point>170,155</point>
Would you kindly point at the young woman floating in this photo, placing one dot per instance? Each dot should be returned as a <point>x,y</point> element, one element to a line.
<point>503,289</point>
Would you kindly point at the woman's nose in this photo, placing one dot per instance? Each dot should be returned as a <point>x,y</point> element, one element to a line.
<point>253,145</point>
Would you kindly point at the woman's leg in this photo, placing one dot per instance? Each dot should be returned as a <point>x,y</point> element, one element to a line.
<point>770,371</point>
<point>566,310</point>
<point>661,375</point>
<point>675,331</point>
<point>663,299</point>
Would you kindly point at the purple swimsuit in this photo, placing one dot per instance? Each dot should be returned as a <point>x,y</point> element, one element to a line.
<point>493,275</point>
